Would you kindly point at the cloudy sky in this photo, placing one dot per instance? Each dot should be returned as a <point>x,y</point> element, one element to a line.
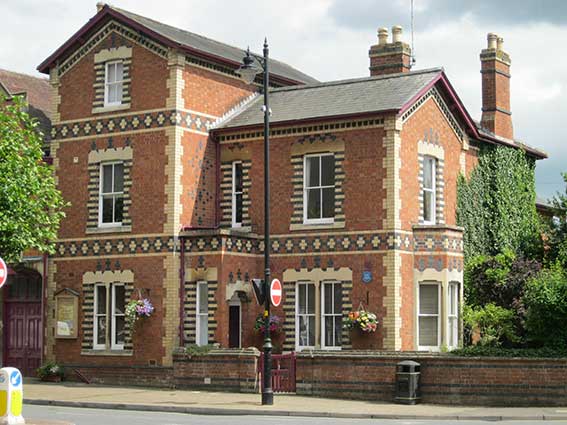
<point>329,39</point>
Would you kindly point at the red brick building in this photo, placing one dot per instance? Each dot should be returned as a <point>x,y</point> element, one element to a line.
<point>158,146</point>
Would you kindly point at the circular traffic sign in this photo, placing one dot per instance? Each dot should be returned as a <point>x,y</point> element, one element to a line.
<point>276,292</point>
<point>3,272</point>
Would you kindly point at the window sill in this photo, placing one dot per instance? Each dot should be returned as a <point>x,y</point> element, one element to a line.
<point>111,108</point>
<point>241,229</point>
<point>110,353</point>
<point>110,229</point>
<point>317,226</point>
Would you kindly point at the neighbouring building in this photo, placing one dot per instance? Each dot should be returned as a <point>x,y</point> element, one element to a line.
<point>158,147</point>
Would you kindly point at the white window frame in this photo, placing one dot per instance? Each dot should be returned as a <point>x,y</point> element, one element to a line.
<point>438,316</point>
<point>297,315</point>
<point>201,316</point>
<point>432,191</point>
<point>96,315</point>
<point>453,304</point>
<point>118,83</point>
<point>235,193</point>
<point>113,344</point>
<point>306,220</point>
<point>114,195</point>
<point>325,315</point>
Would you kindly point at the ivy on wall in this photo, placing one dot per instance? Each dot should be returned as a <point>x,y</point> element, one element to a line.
<point>496,205</point>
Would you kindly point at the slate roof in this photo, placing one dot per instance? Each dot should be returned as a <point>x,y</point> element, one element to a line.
<point>336,98</point>
<point>36,92</point>
<point>172,37</point>
<point>483,132</point>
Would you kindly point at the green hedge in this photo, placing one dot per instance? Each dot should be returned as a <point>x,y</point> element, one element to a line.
<point>487,351</point>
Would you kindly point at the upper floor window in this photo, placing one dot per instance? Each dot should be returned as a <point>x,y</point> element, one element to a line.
<point>237,194</point>
<point>319,189</point>
<point>111,203</point>
<point>429,189</point>
<point>109,308</point>
<point>113,81</point>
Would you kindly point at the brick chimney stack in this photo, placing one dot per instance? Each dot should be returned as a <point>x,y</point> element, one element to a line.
<point>495,70</point>
<point>390,58</point>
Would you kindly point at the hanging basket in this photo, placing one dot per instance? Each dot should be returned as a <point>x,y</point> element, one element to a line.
<point>362,320</point>
<point>138,308</point>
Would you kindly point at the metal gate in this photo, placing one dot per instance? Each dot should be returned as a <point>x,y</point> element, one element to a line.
<point>283,372</point>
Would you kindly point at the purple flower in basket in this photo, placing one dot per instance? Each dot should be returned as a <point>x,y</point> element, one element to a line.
<point>144,308</point>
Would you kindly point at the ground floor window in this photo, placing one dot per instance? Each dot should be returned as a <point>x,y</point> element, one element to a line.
<point>332,317</point>
<point>305,320</point>
<point>429,332</point>
<point>319,315</point>
<point>453,315</point>
<point>109,306</point>
<point>202,325</point>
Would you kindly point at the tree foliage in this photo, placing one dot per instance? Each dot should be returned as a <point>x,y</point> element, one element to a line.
<point>31,207</point>
<point>496,205</point>
<point>546,308</point>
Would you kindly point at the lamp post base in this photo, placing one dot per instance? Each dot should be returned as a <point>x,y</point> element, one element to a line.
<point>267,398</point>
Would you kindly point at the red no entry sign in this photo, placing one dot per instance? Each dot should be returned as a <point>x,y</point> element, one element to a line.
<point>3,272</point>
<point>276,292</point>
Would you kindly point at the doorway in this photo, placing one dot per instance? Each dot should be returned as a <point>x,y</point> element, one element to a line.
<point>235,322</point>
<point>23,321</point>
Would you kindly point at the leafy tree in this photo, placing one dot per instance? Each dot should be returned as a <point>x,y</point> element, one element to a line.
<point>31,207</point>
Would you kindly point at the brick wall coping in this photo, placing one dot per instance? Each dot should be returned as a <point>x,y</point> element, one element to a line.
<point>226,352</point>
<point>405,355</point>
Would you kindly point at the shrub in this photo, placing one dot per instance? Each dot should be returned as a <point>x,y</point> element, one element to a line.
<point>500,280</point>
<point>546,308</point>
<point>494,324</point>
<point>50,369</point>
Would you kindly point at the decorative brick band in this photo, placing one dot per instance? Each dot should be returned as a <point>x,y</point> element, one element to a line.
<point>117,124</point>
<point>281,245</point>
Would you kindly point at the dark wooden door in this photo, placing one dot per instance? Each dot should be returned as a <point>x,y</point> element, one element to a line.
<point>23,322</point>
<point>234,326</point>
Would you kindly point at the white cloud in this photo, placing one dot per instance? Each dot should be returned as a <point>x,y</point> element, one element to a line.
<point>306,35</point>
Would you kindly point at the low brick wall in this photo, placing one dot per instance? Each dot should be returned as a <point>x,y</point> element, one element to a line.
<point>219,370</point>
<point>445,379</point>
<point>145,376</point>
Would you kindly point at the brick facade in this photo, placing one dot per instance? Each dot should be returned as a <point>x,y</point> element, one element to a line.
<point>177,235</point>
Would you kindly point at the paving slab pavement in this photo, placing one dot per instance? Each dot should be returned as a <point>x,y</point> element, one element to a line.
<point>223,403</point>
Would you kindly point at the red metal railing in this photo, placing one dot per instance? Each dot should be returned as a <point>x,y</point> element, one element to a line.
<point>283,372</point>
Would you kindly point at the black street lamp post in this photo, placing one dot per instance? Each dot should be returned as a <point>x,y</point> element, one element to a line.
<point>248,72</point>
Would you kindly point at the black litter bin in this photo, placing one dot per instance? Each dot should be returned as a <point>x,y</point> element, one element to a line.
<point>407,382</point>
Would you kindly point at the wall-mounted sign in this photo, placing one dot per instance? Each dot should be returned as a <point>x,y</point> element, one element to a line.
<point>66,313</point>
<point>366,276</point>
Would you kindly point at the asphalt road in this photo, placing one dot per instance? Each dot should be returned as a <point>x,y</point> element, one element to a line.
<point>81,416</point>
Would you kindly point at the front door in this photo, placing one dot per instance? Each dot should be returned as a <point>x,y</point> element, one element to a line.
<point>234,325</point>
<point>23,324</point>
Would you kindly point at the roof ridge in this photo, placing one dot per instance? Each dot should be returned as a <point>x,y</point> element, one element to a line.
<point>120,10</point>
<point>357,80</point>
<point>40,78</point>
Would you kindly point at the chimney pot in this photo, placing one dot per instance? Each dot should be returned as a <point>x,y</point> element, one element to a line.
<point>492,39</point>
<point>382,36</point>
<point>500,43</point>
<point>396,34</point>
